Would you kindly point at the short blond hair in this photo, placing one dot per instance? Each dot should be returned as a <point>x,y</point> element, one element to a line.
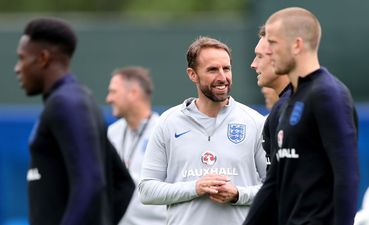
<point>299,22</point>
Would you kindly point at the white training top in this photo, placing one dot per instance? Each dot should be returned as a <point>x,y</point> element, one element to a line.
<point>181,150</point>
<point>131,151</point>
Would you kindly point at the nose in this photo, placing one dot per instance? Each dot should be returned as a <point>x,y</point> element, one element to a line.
<point>253,64</point>
<point>268,49</point>
<point>222,75</point>
<point>17,68</point>
<point>107,99</point>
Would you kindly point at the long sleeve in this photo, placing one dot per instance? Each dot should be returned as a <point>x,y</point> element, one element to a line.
<point>335,114</point>
<point>161,193</point>
<point>247,194</point>
<point>73,125</point>
<point>264,208</point>
<point>153,189</point>
<point>121,184</point>
<point>260,156</point>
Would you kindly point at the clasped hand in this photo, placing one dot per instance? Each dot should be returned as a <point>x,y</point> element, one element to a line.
<point>218,187</point>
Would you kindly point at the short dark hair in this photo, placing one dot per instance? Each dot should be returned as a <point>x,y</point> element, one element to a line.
<point>262,32</point>
<point>137,74</point>
<point>52,31</point>
<point>201,43</point>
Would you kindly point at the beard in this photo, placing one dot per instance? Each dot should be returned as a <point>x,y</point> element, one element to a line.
<point>206,90</point>
<point>31,90</point>
<point>286,67</point>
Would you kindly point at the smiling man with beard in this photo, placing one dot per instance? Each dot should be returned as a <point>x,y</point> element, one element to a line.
<point>205,159</point>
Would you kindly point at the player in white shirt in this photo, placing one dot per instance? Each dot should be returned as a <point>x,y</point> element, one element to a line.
<point>129,94</point>
<point>205,159</point>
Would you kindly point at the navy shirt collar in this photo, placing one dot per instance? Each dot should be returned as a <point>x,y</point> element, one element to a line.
<point>312,75</point>
<point>68,78</point>
<point>286,90</point>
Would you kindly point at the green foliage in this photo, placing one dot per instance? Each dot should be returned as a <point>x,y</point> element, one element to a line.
<point>186,5</point>
<point>124,6</point>
<point>60,5</point>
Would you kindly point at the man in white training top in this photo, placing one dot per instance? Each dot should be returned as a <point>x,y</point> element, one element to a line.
<point>204,159</point>
<point>129,95</point>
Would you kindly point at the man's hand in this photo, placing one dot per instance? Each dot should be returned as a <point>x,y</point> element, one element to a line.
<point>208,184</point>
<point>225,193</point>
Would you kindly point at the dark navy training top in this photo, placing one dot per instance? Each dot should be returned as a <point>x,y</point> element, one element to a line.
<point>271,123</point>
<point>70,180</point>
<point>314,174</point>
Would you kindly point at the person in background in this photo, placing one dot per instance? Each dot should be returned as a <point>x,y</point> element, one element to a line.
<point>204,159</point>
<point>129,95</point>
<point>314,175</point>
<point>362,216</point>
<point>72,179</point>
<point>276,90</point>
<point>270,97</point>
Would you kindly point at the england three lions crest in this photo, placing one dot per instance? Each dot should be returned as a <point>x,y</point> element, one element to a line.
<point>236,132</point>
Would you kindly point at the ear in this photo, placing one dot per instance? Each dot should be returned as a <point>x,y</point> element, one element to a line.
<point>44,57</point>
<point>134,91</point>
<point>298,46</point>
<point>192,75</point>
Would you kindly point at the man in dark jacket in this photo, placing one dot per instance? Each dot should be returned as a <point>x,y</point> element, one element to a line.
<point>72,179</point>
<point>313,178</point>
